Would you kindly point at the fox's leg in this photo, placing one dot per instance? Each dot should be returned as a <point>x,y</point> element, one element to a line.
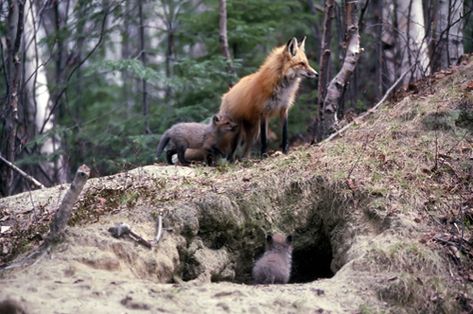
<point>284,144</point>
<point>236,141</point>
<point>263,135</point>
<point>212,156</point>
<point>169,154</point>
<point>251,133</point>
<point>181,155</point>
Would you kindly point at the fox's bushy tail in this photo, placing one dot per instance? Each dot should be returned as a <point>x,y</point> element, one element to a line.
<point>162,143</point>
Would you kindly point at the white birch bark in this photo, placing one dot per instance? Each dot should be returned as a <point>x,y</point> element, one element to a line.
<point>449,32</point>
<point>337,84</point>
<point>38,89</point>
<point>412,39</point>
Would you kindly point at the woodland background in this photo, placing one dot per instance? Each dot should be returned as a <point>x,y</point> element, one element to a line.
<point>97,82</point>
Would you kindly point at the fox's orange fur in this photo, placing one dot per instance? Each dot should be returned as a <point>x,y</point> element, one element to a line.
<point>268,92</point>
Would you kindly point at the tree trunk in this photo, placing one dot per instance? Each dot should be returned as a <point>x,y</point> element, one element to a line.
<point>14,35</point>
<point>410,20</point>
<point>389,41</point>
<point>53,105</point>
<point>449,33</point>
<point>223,39</point>
<point>126,54</point>
<point>144,92</point>
<point>325,53</point>
<point>336,87</point>
<point>378,21</point>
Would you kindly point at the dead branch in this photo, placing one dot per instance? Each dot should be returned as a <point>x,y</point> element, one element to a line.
<point>22,173</point>
<point>370,111</point>
<point>65,209</point>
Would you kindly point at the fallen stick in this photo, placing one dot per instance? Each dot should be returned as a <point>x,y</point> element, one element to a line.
<point>22,173</point>
<point>160,229</point>
<point>123,229</point>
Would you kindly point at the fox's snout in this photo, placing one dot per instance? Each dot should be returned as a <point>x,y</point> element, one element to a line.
<point>311,73</point>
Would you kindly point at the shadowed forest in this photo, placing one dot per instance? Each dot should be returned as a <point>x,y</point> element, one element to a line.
<point>98,82</point>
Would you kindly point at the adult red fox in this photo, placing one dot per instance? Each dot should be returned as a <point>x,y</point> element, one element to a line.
<point>266,93</point>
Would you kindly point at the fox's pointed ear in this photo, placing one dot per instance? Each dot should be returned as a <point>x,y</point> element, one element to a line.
<point>291,46</point>
<point>302,44</point>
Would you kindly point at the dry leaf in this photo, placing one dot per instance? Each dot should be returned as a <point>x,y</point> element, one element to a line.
<point>4,229</point>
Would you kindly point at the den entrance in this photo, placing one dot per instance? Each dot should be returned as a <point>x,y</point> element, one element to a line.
<point>311,260</point>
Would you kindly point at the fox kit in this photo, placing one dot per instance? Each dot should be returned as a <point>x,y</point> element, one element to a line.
<point>275,264</point>
<point>210,140</point>
<point>266,93</point>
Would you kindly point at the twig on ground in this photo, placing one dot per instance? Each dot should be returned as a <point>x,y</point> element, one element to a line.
<point>123,229</point>
<point>160,229</point>
<point>22,173</point>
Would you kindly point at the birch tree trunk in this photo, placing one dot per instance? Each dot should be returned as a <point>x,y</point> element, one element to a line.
<point>449,33</point>
<point>41,106</point>
<point>337,85</point>
<point>412,39</point>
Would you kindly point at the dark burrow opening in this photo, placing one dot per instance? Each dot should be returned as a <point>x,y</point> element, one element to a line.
<point>311,261</point>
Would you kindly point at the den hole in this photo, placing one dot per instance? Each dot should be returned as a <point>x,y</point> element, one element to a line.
<point>312,261</point>
<point>311,256</point>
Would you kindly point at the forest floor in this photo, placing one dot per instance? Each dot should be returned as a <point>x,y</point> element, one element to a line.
<point>382,221</point>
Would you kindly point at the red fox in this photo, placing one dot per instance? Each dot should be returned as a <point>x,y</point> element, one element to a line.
<point>208,140</point>
<point>266,93</point>
<point>275,264</point>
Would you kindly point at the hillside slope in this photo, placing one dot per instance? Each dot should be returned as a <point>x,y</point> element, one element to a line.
<point>381,219</point>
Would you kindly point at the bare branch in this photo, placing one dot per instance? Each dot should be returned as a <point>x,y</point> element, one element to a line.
<point>370,111</point>
<point>22,173</point>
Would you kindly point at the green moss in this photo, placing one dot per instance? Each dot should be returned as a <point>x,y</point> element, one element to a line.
<point>441,121</point>
<point>465,117</point>
<point>367,309</point>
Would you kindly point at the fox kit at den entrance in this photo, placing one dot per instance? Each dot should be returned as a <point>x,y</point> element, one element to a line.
<point>266,93</point>
<point>275,264</point>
